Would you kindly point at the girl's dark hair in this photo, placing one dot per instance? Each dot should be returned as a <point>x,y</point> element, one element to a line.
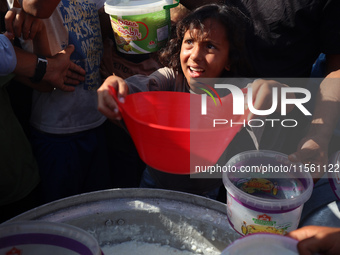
<point>234,22</point>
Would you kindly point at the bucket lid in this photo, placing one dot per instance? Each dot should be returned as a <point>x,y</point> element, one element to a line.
<point>37,237</point>
<point>135,7</point>
<point>302,185</point>
<point>253,244</point>
<point>334,173</point>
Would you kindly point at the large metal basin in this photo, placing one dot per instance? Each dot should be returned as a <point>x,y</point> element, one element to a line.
<point>180,220</point>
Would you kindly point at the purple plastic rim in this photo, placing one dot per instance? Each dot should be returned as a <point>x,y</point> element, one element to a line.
<point>46,239</point>
<point>260,210</point>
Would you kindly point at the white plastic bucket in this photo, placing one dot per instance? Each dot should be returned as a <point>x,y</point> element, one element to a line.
<point>41,238</point>
<point>140,26</point>
<point>265,192</point>
<point>254,244</point>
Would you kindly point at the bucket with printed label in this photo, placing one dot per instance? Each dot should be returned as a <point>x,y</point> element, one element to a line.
<point>41,238</point>
<point>265,192</point>
<point>140,26</point>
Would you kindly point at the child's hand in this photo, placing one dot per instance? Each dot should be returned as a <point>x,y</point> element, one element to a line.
<point>262,95</point>
<point>106,103</point>
<point>317,239</point>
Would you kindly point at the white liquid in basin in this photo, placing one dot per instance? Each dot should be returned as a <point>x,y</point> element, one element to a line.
<point>141,248</point>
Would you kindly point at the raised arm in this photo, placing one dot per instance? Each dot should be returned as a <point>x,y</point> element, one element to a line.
<point>313,148</point>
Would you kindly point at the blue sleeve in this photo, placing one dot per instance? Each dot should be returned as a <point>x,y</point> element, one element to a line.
<point>8,58</point>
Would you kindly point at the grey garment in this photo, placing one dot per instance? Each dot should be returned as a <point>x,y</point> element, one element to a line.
<point>164,79</point>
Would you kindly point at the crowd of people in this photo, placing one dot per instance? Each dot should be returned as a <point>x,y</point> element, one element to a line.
<point>64,51</point>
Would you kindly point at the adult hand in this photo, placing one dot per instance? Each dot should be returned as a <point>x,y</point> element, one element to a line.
<point>62,73</point>
<point>106,103</point>
<point>317,239</point>
<point>18,22</point>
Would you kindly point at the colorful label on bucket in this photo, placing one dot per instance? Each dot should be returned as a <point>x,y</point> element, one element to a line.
<point>247,221</point>
<point>258,185</point>
<point>140,34</point>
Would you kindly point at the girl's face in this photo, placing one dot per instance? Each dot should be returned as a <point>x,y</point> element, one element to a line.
<point>205,55</point>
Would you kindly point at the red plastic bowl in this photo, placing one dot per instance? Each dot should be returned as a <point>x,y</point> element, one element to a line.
<point>170,133</point>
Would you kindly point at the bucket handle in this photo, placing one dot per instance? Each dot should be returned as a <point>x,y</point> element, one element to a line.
<point>171,5</point>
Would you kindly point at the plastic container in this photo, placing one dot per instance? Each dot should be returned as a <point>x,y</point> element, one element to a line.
<point>183,221</point>
<point>264,244</point>
<point>265,192</point>
<point>172,135</point>
<point>333,173</point>
<point>140,26</point>
<point>41,238</point>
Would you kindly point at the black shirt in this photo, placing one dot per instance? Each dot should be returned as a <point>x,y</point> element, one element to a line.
<point>286,36</point>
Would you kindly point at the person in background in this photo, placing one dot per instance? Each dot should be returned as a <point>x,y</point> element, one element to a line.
<point>67,133</point>
<point>19,171</point>
<point>313,148</point>
<point>208,43</point>
<point>317,240</point>
<point>284,39</point>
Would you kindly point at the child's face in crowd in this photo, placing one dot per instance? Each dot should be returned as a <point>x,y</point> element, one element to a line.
<point>205,56</point>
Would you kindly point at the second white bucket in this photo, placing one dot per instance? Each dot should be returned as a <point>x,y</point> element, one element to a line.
<point>140,26</point>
